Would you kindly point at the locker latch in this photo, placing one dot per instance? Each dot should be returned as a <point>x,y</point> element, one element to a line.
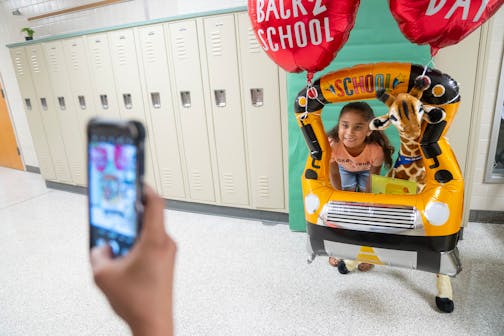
<point>82,102</point>
<point>127,101</point>
<point>28,104</point>
<point>220,98</point>
<point>257,97</point>
<point>185,96</point>
<point>104,101</point>
<point>156,100</point>
<point>43,102</point>
<point>61,102</point>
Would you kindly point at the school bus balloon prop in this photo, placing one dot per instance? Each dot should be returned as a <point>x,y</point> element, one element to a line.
<point>417,231</point>
<point>302,35</point>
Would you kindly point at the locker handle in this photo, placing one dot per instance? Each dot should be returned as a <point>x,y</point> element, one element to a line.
<point>220,98</point>
<point>43,102</point>
<point>156,100</point>
<point>104,101</point>
<point>82,102</point>
<point>257,97</point>
<point>28,104</point>
<point>185,96</point>
<point>61,102</point>
<point>127,101</point>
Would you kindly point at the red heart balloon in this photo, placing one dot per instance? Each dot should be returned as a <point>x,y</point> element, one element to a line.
<point>441,23</point>
<point>302,34</point>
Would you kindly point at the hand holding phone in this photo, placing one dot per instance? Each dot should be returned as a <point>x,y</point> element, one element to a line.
<point>115,179</point>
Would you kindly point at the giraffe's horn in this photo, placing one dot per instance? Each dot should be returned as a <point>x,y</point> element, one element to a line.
<point>421,84</point>
<point>388,99</point>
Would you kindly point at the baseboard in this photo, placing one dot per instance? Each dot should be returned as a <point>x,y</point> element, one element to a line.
<point>216,210</point>
<point>483,216</point>
<point>262,215</point>
<point>66,187</point>
<point>32,169</point>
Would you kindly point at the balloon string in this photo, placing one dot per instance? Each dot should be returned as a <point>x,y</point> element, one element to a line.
<point>426,66</point>
<point>309,77</point>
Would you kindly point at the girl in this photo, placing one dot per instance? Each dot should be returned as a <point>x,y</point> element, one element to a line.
<point>357,152</point>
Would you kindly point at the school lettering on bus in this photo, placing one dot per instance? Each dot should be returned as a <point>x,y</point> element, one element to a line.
<point>349,86</point>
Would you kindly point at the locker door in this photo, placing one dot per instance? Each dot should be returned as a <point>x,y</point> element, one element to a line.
<point>159,103</point>
<point>71,129</point>
<point>128,88</point>
<point>22,70</point>
<point>226,107</point>
<point>190,106</point>
<point>261,107</point>
<point>49,114</point>
<point>100,67</point>
<point>79,79</point>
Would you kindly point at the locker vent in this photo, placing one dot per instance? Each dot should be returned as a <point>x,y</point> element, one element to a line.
<point>76,168</point>
<point>75,60</point>
<point>166,179</point>
<point>263,188</point>
<point>216,42</point>
<point>19,66</point>
<point>61,172</point>
<point>97,56</point>
<point>253,45</point>
<point>180,46</point>
<point>53,62</point>
<point>371,217</point>
<point>150,52</point>
<point>34,62</point>
<point>121,54</point>
<point>196,181</point>
<point>228,184</point>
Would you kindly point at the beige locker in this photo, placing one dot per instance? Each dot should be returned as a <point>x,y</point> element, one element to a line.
<point>50,118</point>
<point>79,79</point>
<point>221,53</point>
<point>102,76</point>
<point>70,124</point>
<point>158,102</point>
<point>32,110</point>
<point>128,89</point>
<point>262,112</point>
<point>190,106</point>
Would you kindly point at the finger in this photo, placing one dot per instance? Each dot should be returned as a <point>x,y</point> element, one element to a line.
<point>100,257</point>
<point>153,218</point>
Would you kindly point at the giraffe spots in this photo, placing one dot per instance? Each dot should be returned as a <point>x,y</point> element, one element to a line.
<point>413,171</point>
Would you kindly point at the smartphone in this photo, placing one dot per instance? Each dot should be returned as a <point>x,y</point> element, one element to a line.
<point>115,151</point>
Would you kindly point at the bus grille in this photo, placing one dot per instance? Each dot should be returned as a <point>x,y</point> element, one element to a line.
<point>372,217</point>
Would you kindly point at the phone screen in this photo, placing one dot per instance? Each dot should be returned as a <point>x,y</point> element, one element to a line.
<point>112,192</point>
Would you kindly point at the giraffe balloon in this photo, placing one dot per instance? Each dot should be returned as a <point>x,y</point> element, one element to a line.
<point>406,112</point>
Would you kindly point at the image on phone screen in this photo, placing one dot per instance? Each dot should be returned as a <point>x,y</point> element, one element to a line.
<point>112,192</point>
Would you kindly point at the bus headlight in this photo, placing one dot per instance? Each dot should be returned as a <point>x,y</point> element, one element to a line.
<point>437,213</point>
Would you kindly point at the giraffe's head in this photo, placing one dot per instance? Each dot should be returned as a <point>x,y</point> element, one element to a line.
<point>406,111</point>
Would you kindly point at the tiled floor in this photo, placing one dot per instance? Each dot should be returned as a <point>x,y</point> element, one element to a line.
<point>234,277</point>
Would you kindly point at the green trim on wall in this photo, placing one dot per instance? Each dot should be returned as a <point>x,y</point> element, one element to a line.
<point>130,25</point>
<point>375,38</point>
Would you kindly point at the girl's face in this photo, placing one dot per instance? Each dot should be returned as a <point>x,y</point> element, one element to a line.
<point>353,129</point>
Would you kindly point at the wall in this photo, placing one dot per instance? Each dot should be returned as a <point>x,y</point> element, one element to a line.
<point>122,13</point>
<point>488,196</point>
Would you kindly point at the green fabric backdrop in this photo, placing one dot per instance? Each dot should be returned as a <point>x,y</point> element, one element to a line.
<point>375,38</point>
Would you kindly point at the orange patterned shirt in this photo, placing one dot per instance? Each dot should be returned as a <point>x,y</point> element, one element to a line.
<point>372,155</point>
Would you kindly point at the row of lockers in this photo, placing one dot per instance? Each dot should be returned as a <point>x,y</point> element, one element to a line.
<point>208,95</point>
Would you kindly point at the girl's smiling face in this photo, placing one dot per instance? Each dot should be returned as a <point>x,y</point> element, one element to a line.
<point>353,130</point>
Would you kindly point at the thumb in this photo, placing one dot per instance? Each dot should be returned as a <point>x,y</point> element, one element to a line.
<point>100,257</point>
<point>153,217</point>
